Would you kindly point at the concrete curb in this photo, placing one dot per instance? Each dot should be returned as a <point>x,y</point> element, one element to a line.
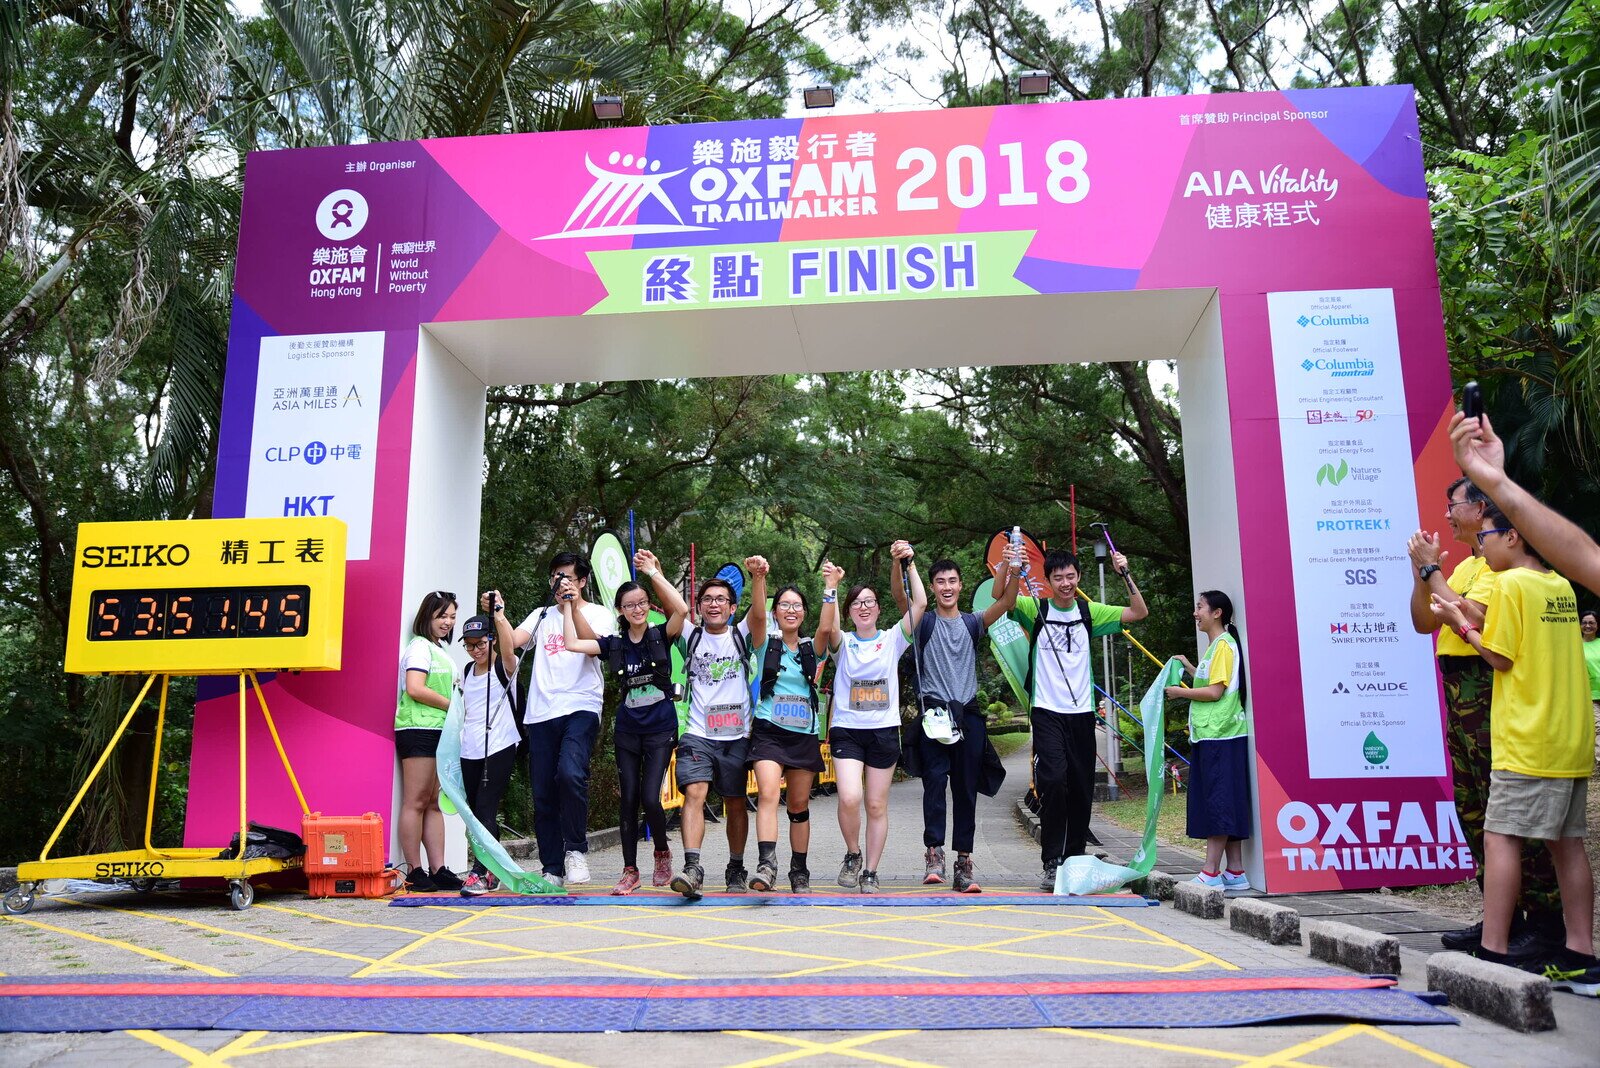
<point>1028,818</point>
<point>1276,924</point>
<point>1509,996</point>
<point>1352,947</point>
<point>1158,884</point>
<point>1205,902</point>
<point>524,848</point>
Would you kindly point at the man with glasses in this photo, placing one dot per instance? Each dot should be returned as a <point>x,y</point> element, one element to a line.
<point>563,718</point>
<point>1468,688</point>
<point>713,742</point>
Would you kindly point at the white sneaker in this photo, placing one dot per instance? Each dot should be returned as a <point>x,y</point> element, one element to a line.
<point>577,867</point>
<point>553,880</point>
<point>1209,880</point>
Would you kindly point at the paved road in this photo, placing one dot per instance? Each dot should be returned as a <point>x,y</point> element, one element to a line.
<point>288,935</point>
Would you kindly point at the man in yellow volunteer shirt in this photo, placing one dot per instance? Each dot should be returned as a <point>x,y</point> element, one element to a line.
<point>1542,738</point>
<point>1468,682</point>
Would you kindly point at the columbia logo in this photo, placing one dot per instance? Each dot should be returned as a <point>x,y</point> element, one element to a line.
<point>616,195</point>
<point>1306,365</point>
<point>1303,321</point>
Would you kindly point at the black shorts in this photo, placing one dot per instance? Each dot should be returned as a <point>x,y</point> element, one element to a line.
<point>787,748</point>
<point>723,764</point>
<point>416,742</point>
<point>876,747</point>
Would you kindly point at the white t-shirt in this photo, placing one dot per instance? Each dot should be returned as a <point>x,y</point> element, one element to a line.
<point>476,690</point>
<point>563,682</point>
<point>719,692</point>
<point>1063,685</point>
<point>866,680</point>
<point>419,657</point>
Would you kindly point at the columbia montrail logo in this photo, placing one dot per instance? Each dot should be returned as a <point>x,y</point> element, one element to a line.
<point>616,194</point>
<point>1306,365</point>
<point>1350,368</point>
<point>1303,321</point>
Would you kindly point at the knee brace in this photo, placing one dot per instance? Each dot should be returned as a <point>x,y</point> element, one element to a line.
<point>803,816</point>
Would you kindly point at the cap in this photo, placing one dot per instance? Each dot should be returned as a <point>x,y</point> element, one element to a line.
<point>478,627</point>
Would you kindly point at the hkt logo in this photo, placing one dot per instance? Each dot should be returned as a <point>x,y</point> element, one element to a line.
<point>342,215</point>
<point>618,193</point>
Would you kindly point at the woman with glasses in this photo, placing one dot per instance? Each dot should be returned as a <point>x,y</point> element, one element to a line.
<point>489,734</point>
<point>785,742</point>
<point>428,676</point>
<point>638,656</point>
<point>864,736</point>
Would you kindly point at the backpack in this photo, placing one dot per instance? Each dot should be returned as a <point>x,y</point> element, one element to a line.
<point>1038,628</point>
<point>657,658</point>
<point>772,664</point>
<point>739,646</point>
<point>925,635</point>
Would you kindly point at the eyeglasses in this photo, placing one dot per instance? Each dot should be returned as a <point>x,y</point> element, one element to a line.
<point>634,606</point>
<point>863,602</point>
<point>715,600</point>
<point>1493,530</point>
<point>443,595</point>
<point>1453,505</point>
<point>474,646</point>
<point>791,606</point>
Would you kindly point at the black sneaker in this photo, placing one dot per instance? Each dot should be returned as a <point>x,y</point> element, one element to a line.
<point>688,881</point>
<point>738,879</point>
<point>850,870</point>
<point>445,879</point>
<point>766,876</point>
<point>1465,940</point>
<point>1529,946</point>
<point>799,881</point>
<point>1047,882</point>
<point>419,882</point>
<point>1573,973</point>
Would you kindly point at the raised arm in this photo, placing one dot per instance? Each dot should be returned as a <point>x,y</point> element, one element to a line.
<point>1136,609</point>
<point>570,617</point>
<point>1563,544</point>
<point>1008,581</point>
<point>828,619</point>
<point>756,618</point>
<point>486,602</point>
<point>670,597</point>
<point>905,565</point>
<point>505,638</point>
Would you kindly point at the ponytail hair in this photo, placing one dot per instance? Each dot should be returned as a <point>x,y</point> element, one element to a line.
<point>1221,602</point>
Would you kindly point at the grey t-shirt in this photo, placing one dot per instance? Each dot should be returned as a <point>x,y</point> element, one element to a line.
<point>950,663</point>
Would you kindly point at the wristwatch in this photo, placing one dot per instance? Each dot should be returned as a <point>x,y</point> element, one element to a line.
<point>1426,571</point>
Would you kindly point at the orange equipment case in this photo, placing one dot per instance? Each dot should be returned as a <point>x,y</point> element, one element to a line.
<point>345,856</point>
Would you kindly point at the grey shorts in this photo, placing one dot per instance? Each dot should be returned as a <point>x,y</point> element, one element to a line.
<point>723,764</point>
<point>1531,807</point>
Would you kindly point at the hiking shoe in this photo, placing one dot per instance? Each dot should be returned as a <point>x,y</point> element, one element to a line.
<point>766,876</point>
<point>577,865</point>
<point>799,881</point>
<point>1202,879</point>
<point>1465,940</point>
<point>933,865</point>
<point>553,879</point>
<point>850,870</point>
<point>688,881</point>
<point>477,884</point>
<point>445,879</point>
<point>627,884</point>
<point>1573,972</point>
<point>418,881</point>
<point>869,882</point>
<point>663,873</point>
<point>737,878</point>
<point>964,882</point>
<point>1047,882</point>
<point>1235,881</point>
<point>1527,946</point>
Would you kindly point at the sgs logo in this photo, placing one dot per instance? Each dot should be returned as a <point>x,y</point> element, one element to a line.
<point>1361,576</point>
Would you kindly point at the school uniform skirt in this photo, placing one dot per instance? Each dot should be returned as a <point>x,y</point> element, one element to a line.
<point>1219,789</point>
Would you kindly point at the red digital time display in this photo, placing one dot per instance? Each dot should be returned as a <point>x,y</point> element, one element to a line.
<point>203,612</point>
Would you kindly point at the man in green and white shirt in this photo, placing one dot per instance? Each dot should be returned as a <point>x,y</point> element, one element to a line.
<point>1061,691</point>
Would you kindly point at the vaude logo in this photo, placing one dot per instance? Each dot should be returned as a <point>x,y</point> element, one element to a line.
<point>1383,687</point>
<point>1340,688</point>
<point>1333,475</point>
<point>342,215</point>
<point>1334,320</point>
<point>1347,368</point>
<point>615,195</point>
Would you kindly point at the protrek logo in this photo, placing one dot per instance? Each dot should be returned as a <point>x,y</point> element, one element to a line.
<point>616,194</point>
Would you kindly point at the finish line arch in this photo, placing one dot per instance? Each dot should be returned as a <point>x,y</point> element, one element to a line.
<point>1276,245</point>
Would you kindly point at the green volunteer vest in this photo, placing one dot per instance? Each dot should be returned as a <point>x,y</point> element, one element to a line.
<point>411,713</point>
<point>1223,718</point>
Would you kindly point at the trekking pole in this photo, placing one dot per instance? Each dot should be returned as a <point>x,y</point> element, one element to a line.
<point>1137,720</point>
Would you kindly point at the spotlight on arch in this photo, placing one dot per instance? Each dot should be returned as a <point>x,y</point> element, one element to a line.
<point>818,96</point>
<point>608,108</point>
<point>1033,83</point>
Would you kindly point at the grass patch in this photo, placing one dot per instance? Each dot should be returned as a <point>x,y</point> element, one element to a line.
<point>1129,812</point>
<point>1006,744</point>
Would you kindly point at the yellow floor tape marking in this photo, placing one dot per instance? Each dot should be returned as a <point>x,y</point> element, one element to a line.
<point>337,919</point>
<point>316,950</point>
<point>1165,1047</point>
<point>1411,1047</point>
<point>190,1055</point>
<point>391,960</point>
<point>129,946</point>
<point>509,1051</point>
<point>1310,1045</point>
<point>571,957</point>
<point>1201,954</point>
<point>300,1043</point>
<point>805,1049</point>
<point>240,1045</point>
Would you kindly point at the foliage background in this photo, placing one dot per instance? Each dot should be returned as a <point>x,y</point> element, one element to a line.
<point>123,129</point>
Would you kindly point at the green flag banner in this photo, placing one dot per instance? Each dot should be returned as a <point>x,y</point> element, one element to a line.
<point>811,272</point>
<point>1153,711</point>
<point>1007,641</point>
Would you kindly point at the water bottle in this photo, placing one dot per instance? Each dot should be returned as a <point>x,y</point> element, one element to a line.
<point>1016,537</point>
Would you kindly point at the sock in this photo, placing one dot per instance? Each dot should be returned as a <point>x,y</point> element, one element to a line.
<point>1210,874</point>
<point>797,861</point>
<point>736,860</point>
<point>1234,871</point>
<point>766,851</point>
<point>691,858</point>
<point>867,871</point>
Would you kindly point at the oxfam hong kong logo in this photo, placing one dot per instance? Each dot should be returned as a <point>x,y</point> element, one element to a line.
<point>1333,475</point>
<point>1373,749</point>
<point>316,452</point>
<point>342,214</point>
<point>1303,321</point>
